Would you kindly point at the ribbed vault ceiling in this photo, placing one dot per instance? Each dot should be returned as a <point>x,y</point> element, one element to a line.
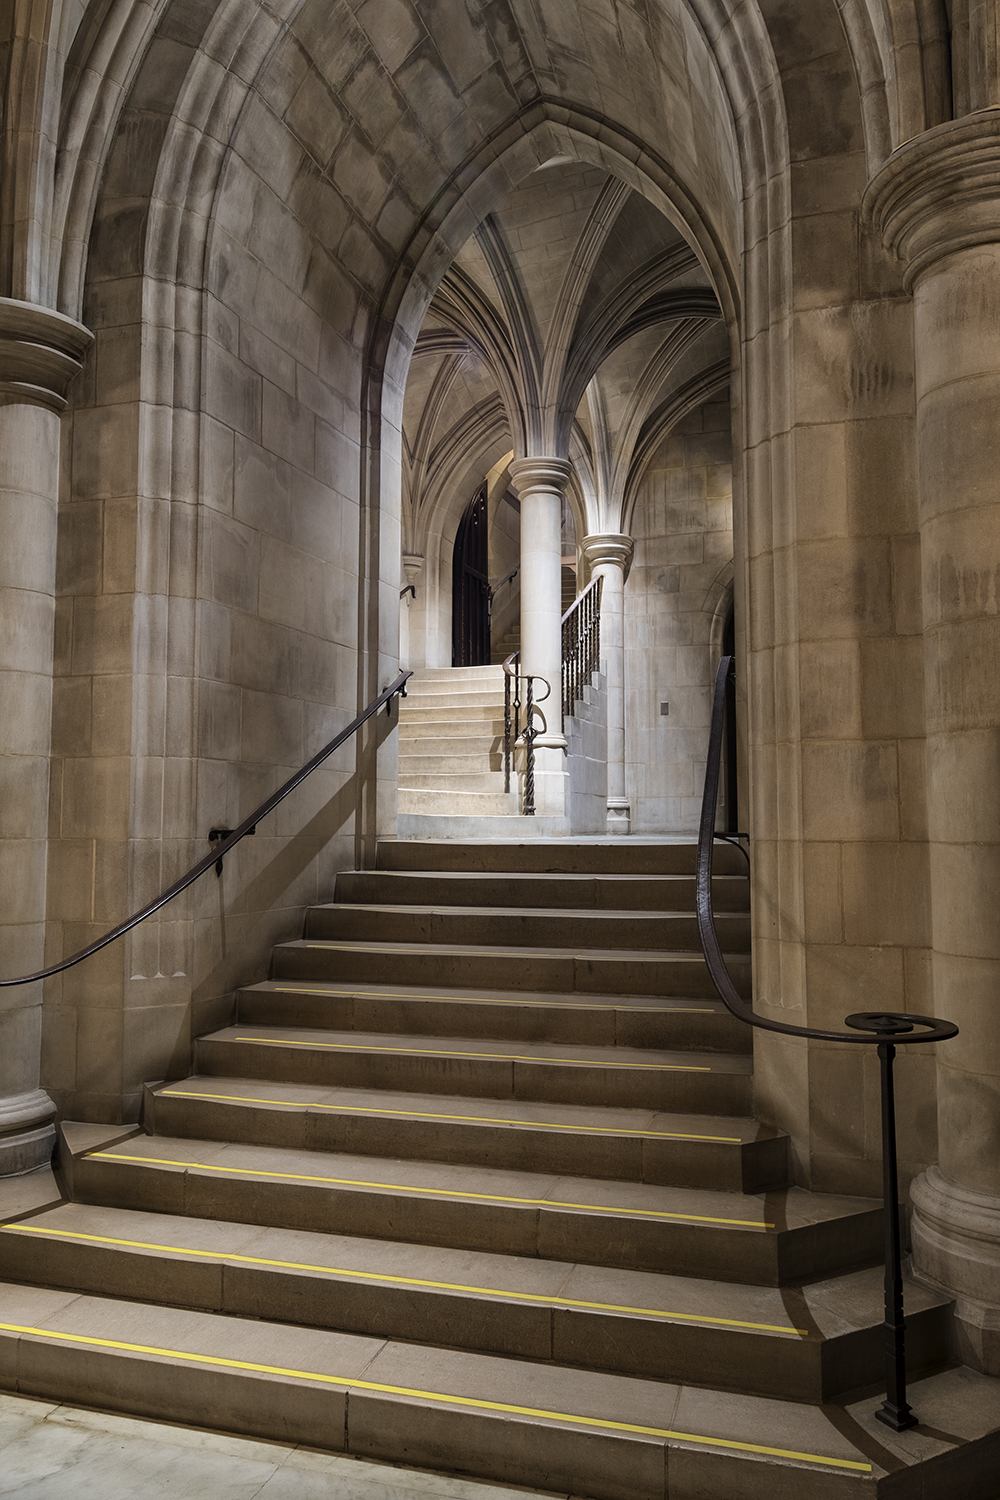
<point>571,323</point>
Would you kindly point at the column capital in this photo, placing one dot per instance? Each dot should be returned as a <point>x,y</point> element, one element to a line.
<point>40,352</point>
<point>413,563</point>
<point>550,475</point>
<point>939,193</point>
<point>609,547</point>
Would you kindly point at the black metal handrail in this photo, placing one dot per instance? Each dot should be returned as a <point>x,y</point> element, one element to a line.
<point>895,1411</point>
<point>511,726</point>
<point>581,644</point>
<point>228,842</point>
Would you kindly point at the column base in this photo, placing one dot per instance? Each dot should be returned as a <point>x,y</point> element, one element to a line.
<point>29,1135</point>
<point>27,1151</point>
<point>956,1247</point>
<point>619,817</point>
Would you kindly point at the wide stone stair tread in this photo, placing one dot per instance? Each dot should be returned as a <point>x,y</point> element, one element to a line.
<point>518,926</point>
<point>625,856</point>
<point>523,1422</point>
<point>475,1049</point>
<point>763,1239</point>
<point>632,1322</point>
<point>709,1082</point>
<point>600,1020</point>
<point>647,1145</point>
<point>579,892</point>
<point>579,969</point>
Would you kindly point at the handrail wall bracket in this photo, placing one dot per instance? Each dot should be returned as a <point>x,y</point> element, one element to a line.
<point>224,839</point>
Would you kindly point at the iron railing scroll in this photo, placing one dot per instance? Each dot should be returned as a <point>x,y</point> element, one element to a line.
<point>581,645</point>
<point>883,1030</point>
<point>224,839</point>
<point>512,731</point>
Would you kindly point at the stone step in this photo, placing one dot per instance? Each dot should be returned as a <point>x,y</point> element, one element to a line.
<point>417,766</point>
<point>585,971</point>
<point>515,1421</point>
<point>480,779</point>
<point>422,739</point>
<point>432,695</point>
<point>554,1072</point>
<point>525,926</point>
<point>594,1020</point>
<point>772,1239</point>
<point>731,1154</point>
<point>460,803</point>
<point>442,826</point>
<point>596,856</point>
<point>629,1322</point>
<point>461,715</point>
<point>486,673</point>
<point>673,893</point>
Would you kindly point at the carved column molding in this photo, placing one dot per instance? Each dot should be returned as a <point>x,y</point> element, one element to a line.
<point>610,557</point>
<point>936,203</point>
<point>40,352</point>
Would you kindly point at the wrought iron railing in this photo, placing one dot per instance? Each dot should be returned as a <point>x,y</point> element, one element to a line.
<point>224,838</point>
<point>581,645</point>
<point>890,1029</point>
<point>512,731</point>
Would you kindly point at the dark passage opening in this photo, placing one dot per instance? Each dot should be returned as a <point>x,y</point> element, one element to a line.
<point>732,780</point>
<point>470,598</point>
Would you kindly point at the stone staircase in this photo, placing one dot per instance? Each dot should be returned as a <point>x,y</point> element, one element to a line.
<point>472,1183</point>
<point>451,744</point>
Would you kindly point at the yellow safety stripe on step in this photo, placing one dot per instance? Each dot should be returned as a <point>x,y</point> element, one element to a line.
<point>439,1286</point>
<point>512,999</point>
<point>574,1062</point>
<point>347,1382</point>
<point>417,1114</point>
<point>397,1187</point>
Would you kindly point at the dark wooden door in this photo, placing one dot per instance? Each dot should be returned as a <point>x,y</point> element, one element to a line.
<point>470,603</point>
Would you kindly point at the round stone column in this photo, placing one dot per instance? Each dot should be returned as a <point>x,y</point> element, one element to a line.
<point>610,557</point>
<point>40,352</point>
<point>541,484</point>
<point>937,204</point>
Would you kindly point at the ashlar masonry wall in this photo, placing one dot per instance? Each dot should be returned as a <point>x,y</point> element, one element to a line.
<point>679,583</point>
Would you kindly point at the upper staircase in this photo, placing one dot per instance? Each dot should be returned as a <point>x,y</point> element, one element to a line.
<point>451,744</point>
<point>472,1183</point>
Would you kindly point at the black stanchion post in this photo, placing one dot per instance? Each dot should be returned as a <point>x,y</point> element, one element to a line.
<point>895,1410</point>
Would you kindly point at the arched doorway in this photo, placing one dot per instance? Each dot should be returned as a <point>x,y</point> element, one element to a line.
<point>470,598</point>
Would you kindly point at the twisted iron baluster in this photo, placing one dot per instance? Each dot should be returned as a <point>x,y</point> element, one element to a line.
<point>506,731</point>
<point>529,746</point>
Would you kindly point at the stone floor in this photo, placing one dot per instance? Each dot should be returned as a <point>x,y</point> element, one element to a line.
<point>55,1452</point>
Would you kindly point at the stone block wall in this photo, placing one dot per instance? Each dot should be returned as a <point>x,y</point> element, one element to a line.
<point>683,531</point>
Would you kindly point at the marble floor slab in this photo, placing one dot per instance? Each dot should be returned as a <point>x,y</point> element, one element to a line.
<point>57,1452</point>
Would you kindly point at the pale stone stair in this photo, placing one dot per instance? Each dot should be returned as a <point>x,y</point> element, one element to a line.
<point>451,726</point>
<point>470,1205</point>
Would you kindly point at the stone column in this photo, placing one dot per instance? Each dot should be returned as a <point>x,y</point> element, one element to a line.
<point>540,484</point>
<point>40,352</point>
<point>412,564</point>
<point>610,557</point>
<point>937,204</point>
